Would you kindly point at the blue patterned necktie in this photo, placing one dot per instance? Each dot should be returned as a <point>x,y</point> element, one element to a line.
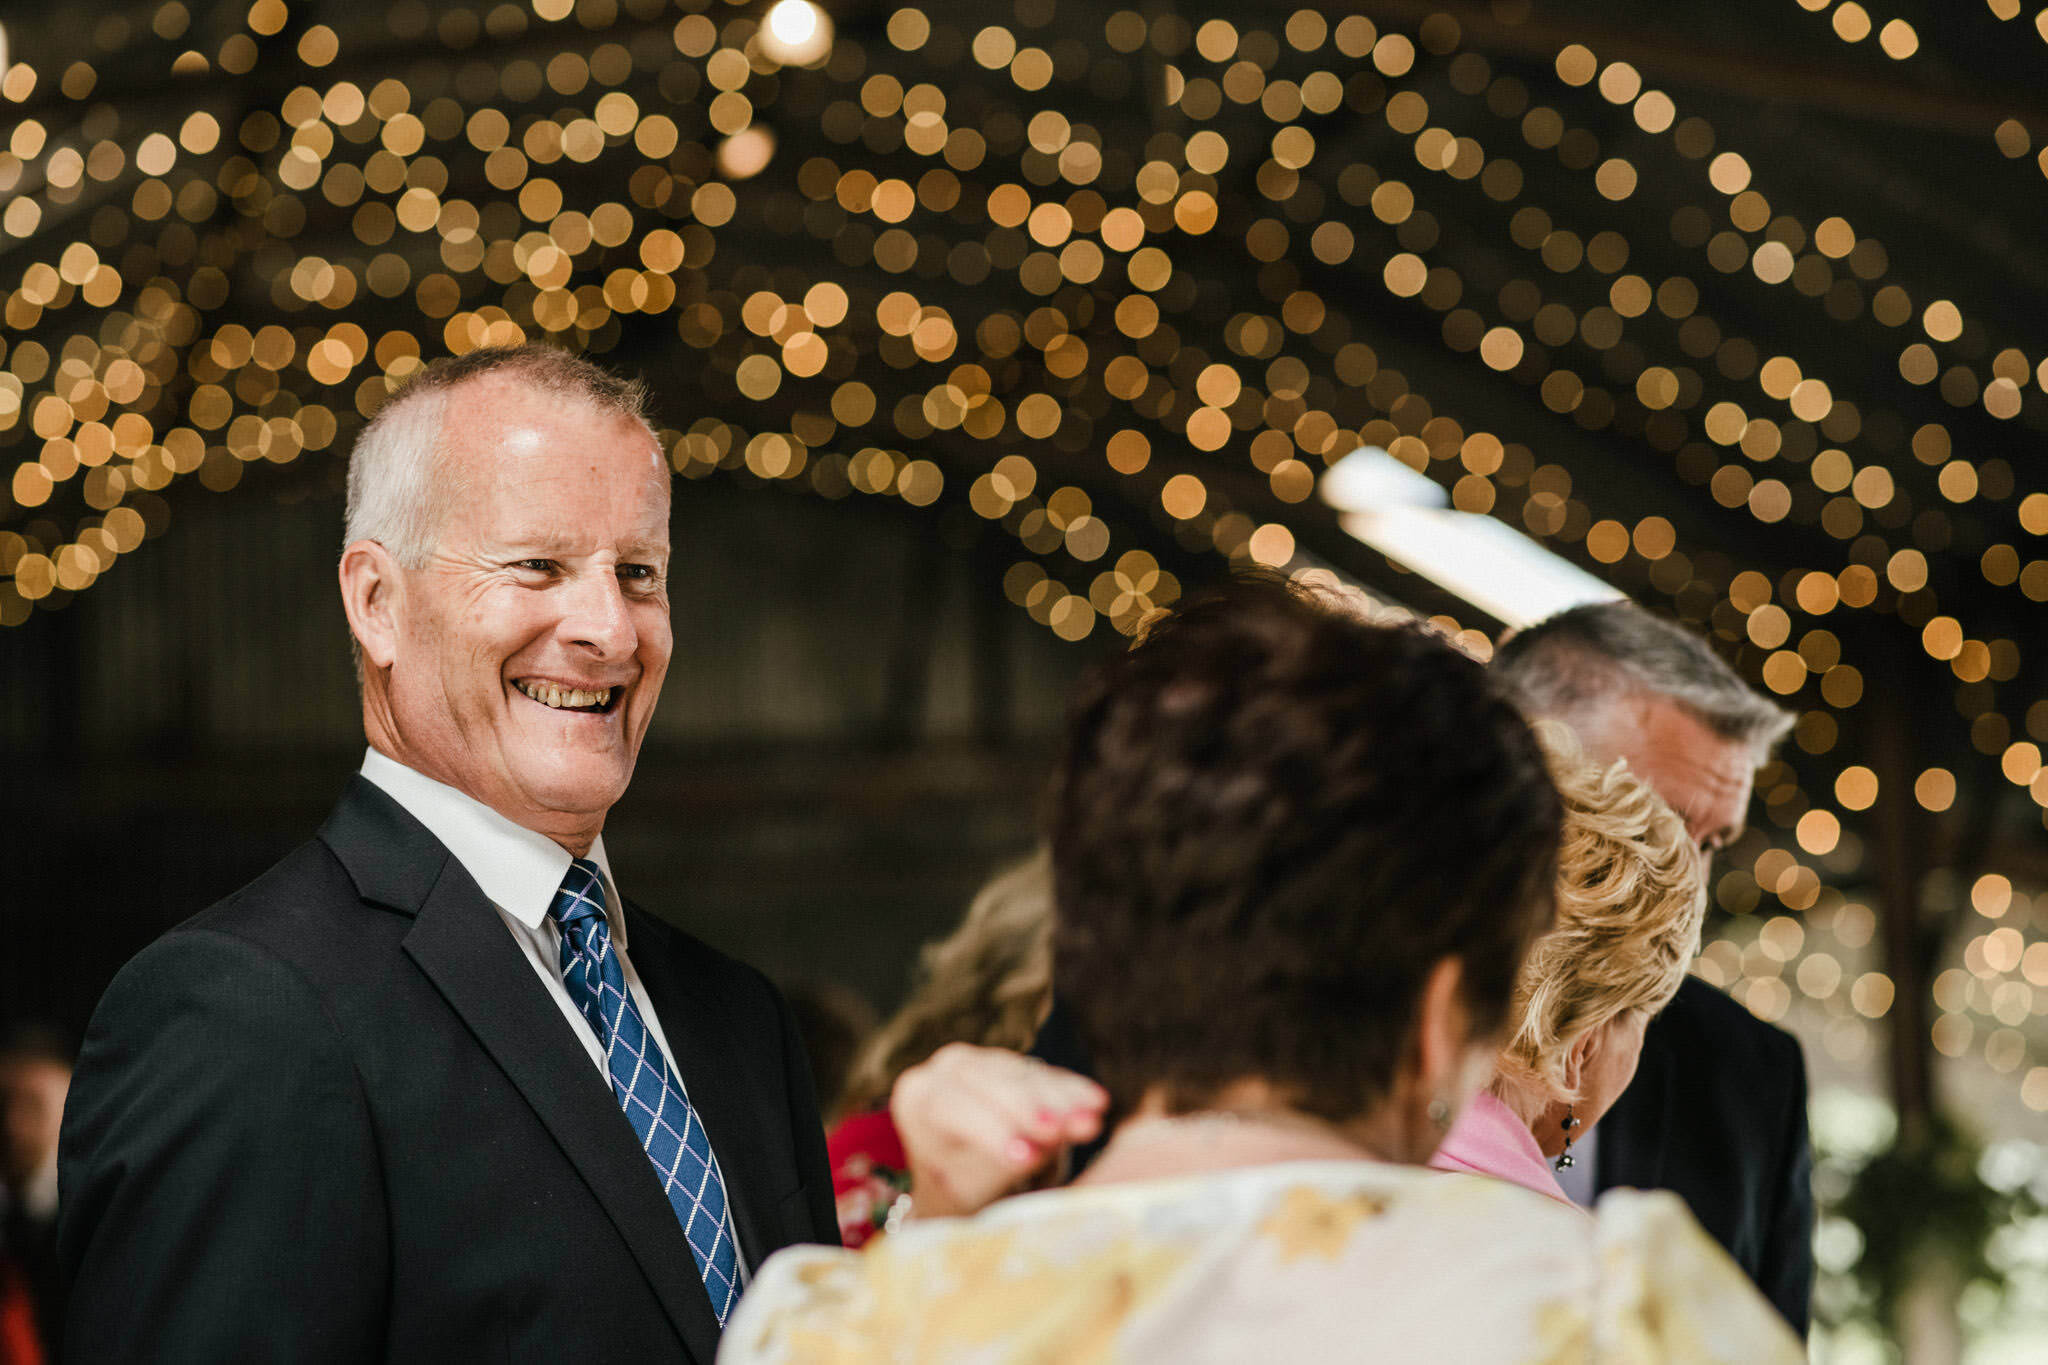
<point>646,1086</point>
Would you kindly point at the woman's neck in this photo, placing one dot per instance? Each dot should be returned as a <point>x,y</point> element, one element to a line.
<point>1246,1125</point>
<point>1543,1117</point>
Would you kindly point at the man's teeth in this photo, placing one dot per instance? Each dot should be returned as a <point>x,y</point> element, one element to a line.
<point>547,694</point>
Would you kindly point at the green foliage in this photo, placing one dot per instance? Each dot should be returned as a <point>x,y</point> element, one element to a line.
<point>1919,1196</point>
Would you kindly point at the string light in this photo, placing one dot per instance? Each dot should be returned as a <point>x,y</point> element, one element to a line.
<point>796,33</point>
<point>939,262</point>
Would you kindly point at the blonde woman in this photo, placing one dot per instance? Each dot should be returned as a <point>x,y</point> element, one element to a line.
<point>988,983</point>
<point>1631,894</point>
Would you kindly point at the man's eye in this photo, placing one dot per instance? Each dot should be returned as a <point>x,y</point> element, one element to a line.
<point>535,565</point>
<point>643,573</point>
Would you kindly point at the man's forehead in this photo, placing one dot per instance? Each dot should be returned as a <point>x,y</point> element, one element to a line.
<point>1670,726</point>
<point>1635,723</point>
<point>555,536</point>
<point>551,440</point>
<point>1702,775</point>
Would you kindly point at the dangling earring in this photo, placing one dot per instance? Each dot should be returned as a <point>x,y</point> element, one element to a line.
<point>1564,1160</point>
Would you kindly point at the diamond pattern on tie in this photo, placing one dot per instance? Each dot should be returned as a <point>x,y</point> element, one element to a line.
<point>646,1087</point>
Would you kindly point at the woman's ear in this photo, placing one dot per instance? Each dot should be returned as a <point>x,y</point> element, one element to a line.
<point>1443,1034</point>
<point>372,593</point>
<point>1578,1054</point>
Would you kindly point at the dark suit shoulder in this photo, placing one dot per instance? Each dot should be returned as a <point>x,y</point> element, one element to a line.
<point>212,1091</point>
<point>308,877</point>
<point>253,971</point>
<point>305,911</point>
<point>1701,1016</point>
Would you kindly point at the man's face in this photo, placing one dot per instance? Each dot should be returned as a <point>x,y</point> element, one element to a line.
<point>530,649</point>
<point>1702,776</point>
<point>31,1110</point>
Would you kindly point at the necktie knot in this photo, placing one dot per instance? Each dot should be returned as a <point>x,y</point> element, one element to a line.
<point>580,897</point>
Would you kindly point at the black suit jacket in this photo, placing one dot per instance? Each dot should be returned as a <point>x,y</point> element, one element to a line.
<point>1717,1113</point>
<point>336,1118</point>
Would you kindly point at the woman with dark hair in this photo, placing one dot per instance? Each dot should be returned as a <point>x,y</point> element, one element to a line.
<point>1298,860</point>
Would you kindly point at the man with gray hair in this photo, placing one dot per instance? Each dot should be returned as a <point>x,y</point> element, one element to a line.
<point>414,1094</point>
<point>1717,1109</point>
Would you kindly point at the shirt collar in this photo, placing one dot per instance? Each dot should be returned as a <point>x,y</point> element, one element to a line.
<point>518,869</point>
<point>1492,1138</point>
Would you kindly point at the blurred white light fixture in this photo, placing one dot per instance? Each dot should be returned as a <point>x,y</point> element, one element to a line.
<point>796,32</point>
<point>1476,558</point>
<point>1369,479</point>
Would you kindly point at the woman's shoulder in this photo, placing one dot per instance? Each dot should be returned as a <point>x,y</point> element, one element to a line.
<point>1231,1265</point>
<point>1198,1263</point>
<point>1654,1229</point>
<point>1665,1290</point>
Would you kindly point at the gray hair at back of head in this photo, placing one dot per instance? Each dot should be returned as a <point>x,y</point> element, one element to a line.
<point>397,489</point>
<point>1578,662</point>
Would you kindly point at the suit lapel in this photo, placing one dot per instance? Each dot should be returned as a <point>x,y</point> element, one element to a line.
<point>707,1055</point>
<point>462,945</point>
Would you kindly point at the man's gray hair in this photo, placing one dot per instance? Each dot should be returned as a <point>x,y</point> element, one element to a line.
<point>1574,665</point>
<point>398,488</point>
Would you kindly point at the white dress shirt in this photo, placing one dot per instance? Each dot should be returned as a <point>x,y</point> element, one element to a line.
<point>520,871</point>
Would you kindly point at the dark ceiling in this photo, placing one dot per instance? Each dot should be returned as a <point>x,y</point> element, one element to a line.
<point>1734,304</point>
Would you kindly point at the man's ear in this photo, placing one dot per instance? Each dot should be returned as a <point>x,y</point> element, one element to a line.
<point>373,594</point>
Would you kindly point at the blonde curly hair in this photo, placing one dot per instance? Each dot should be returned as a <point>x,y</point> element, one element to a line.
<point>988,982</point>
<point>1631,896</point>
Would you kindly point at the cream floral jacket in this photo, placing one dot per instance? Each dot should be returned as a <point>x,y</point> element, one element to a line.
<point>1307,1261</point>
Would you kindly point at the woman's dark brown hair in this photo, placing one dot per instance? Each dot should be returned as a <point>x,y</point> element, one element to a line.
<point>1270,821</point>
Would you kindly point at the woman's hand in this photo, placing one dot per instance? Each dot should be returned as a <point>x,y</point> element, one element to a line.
<point>979,1122</point>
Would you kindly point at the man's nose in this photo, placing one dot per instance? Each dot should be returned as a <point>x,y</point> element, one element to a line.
<point>598,617</point>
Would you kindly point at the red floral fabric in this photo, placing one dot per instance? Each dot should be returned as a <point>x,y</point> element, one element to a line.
<point>869,1171</point>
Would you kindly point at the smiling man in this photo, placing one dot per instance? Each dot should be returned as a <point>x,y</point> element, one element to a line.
<point>431,1089</point>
